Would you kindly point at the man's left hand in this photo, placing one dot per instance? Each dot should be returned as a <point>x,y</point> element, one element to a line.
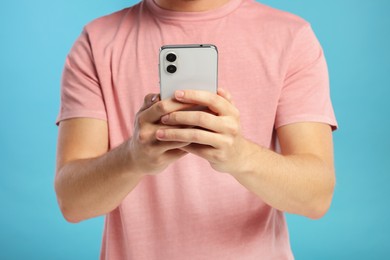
<point>214,136</point>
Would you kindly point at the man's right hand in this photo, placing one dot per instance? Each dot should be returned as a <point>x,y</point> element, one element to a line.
<point>91,180</point>
<point>148,155</point>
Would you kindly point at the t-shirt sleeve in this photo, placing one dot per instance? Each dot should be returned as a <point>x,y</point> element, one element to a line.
<point>305,95</point>
<point>81,93</point>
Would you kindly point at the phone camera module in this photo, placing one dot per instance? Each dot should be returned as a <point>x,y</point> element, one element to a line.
<point>171,69</point>
<point>171,57</point>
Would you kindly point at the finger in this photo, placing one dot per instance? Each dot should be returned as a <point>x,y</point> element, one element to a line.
<point>163,107</point>
<point>215,103</point>
<point>190,135</point>
<point>225,94</point>
<point>200,119</point>
<point>165,147</point>
<point>203,151</point>
<point>149,100</point>
<point>146,137</point>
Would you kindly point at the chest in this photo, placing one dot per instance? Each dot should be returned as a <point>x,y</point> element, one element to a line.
<point>251,70</point>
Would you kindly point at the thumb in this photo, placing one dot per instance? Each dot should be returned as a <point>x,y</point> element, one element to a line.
<point>149,100</point>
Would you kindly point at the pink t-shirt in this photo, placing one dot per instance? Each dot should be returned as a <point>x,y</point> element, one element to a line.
<point>274,67</point>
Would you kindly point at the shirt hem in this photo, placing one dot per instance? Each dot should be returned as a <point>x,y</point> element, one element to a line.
<point>89,114</point>
<point>308,118</point>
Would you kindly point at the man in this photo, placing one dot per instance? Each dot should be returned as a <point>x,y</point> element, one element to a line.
<point>214,191</point>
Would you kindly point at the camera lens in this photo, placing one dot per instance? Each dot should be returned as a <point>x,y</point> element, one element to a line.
<point>171,57</point>
<point>171,68</point>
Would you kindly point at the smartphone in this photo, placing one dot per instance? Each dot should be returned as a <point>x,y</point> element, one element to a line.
<point>193,66</point>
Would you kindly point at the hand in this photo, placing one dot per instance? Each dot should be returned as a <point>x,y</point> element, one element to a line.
<point>148,155</point>
<point>216,136</point>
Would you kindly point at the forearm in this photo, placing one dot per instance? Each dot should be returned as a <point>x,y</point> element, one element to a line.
<point>300,184</point>
<point>91,187</point>
<point>300,181</point>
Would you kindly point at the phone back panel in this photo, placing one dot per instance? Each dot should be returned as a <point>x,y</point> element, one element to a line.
<point>196,68</point>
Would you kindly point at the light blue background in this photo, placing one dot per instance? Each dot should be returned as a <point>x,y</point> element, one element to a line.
<point>35,37</point>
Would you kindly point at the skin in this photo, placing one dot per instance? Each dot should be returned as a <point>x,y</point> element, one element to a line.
<point>300,180</point>
<point>91,180</point>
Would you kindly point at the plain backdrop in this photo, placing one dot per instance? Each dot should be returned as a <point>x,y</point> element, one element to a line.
<point>35,37</point>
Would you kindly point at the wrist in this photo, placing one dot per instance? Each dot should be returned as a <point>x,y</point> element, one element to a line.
<point>128,161</point>
<point>249,161</point>
<point>138,163</point>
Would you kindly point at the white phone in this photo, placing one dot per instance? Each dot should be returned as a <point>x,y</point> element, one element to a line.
<point>193,66</point>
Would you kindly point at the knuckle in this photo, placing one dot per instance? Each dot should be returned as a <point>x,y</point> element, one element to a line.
<point>219,157</point>
<point>173,117</point>
<point>227,142</point>
<point>195,135</point>
<point>231,125</point>
<point>144,136</point>
<point>139,120</point>
<point>233,129</point>
<point>214,99</point>
<point>201,119</point>
<point>161,108</point>
<point>230,142</point>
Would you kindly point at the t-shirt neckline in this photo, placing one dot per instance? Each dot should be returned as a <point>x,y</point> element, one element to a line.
<point>192,16</point>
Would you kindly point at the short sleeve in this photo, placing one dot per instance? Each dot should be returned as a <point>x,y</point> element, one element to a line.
<point>305,95</point>
<point>81,94</point>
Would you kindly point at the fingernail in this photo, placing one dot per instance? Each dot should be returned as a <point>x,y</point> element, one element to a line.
<point>164,119</point>
<point>160,134</point>
<point>179,94</point>
<point>154,98</point>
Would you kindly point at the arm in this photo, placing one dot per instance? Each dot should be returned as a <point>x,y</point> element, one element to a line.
<point>90,180</point>
<point>300,180</point>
